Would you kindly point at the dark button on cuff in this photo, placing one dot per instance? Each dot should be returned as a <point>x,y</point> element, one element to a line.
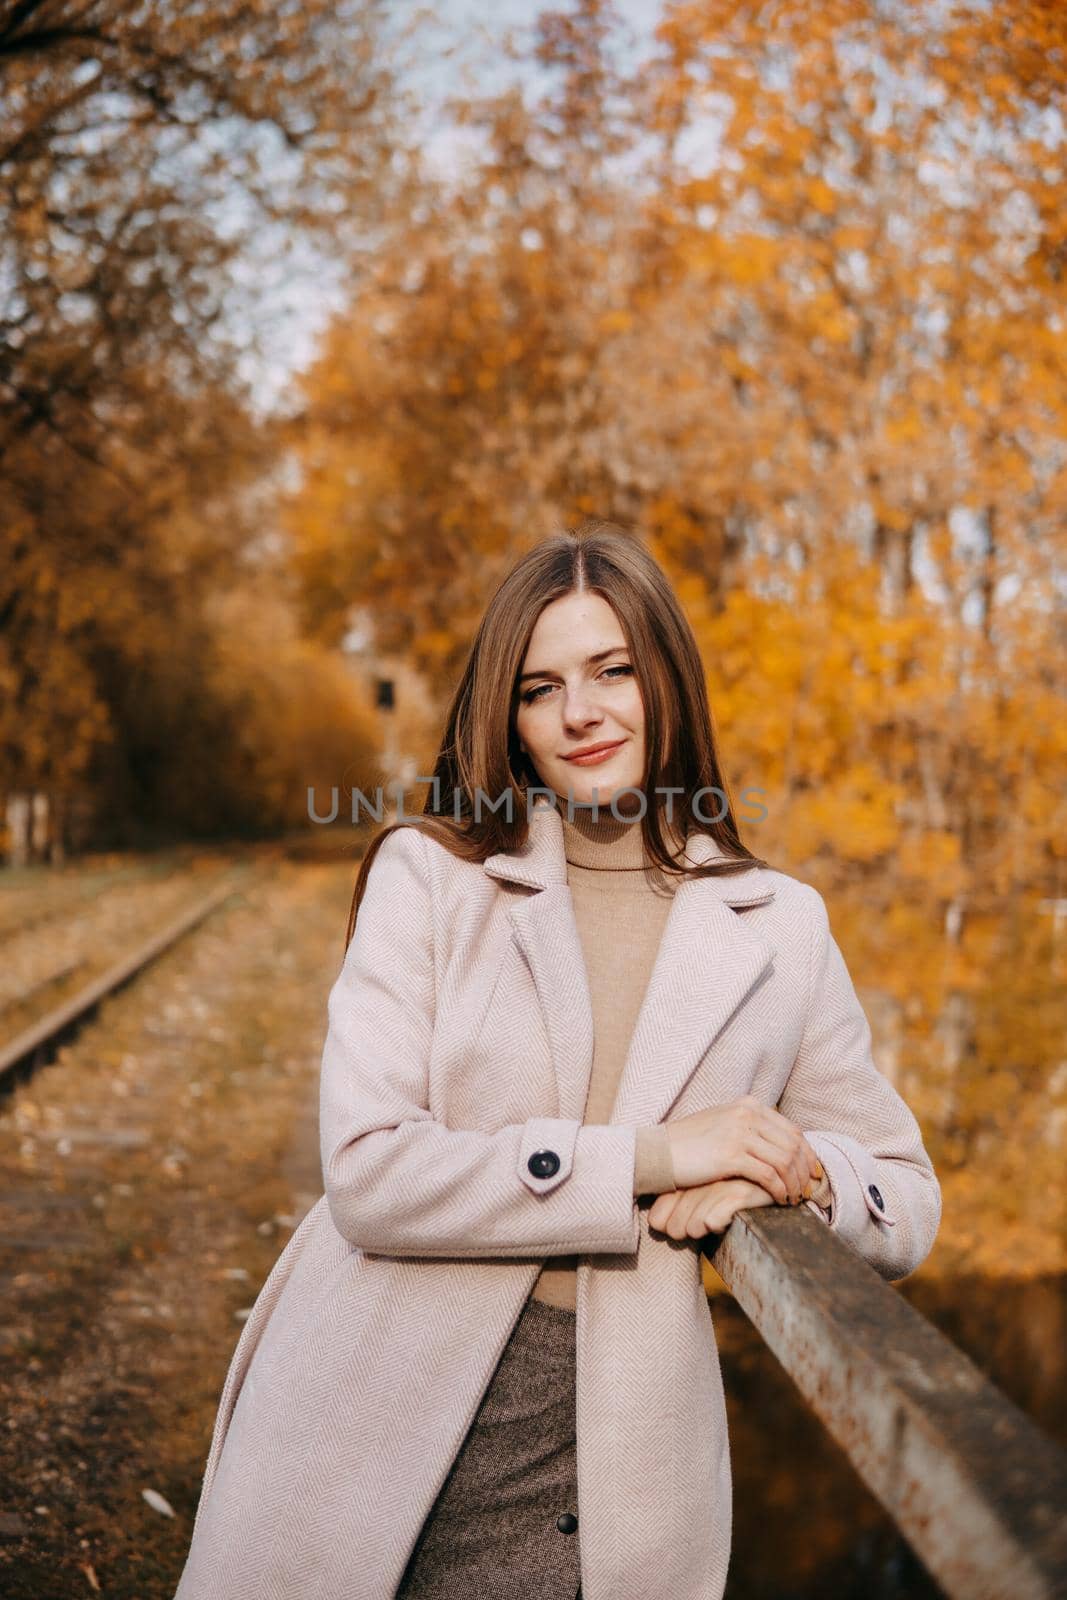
<point>873,1191</point>
<point>567,1522</point>
<point>543,1163</point>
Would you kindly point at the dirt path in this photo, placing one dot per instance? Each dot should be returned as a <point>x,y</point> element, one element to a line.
<point>149,1178</point>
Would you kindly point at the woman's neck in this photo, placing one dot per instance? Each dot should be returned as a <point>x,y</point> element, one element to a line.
<point>605,843</point>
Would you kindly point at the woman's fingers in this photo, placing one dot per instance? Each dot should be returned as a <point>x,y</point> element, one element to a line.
<point>716,1207</point>
<point>783,1144</point>
<point>782,1166</point>
<point>703,1210</point>
<point>807,1160</point>
<point>683,1213</point>
<point>706,1208</point>
<point>660,1210</point>
<point>753,1194</point>
<point>722,1142</point>
<point>671,1225</point>
<point>779,1128</point>
<point>762,1172</point>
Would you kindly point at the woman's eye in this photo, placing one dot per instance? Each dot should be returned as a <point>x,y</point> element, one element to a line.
<point>535,694</point>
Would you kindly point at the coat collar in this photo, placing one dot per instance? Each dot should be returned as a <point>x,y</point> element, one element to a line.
<point>541,863</point>
<point>708,964</point>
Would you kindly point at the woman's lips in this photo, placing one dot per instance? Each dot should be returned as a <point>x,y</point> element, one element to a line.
<point>596,757</point>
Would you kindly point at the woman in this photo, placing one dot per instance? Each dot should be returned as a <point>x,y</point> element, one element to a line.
<point>563,1046</point>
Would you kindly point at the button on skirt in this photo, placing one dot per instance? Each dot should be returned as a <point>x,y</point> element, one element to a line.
<point>504,1525</point>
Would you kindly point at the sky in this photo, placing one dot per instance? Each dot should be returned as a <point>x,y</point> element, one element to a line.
<point>457,47</point>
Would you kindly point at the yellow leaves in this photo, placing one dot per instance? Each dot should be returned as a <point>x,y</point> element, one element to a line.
<point>750,258</point>
<point>851,237</point>
<point>618,321</point>
<point>898,518</point>
<point>905,427</point>
<point>1038,801</point>
<point>999,83</point>
<point>829,320</point>
<point>821,197</point>
<point>438,642</point>
<point>693,192</point>
<point>933,859</point>
<point>857,807</point>
<point>982,938</point>
<point>737,366</point>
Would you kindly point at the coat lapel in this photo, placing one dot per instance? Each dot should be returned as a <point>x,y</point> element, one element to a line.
<point>708,964</point>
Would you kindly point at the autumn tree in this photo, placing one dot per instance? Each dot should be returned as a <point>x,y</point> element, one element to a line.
<point>789,298</point>
<point>147,154</point>
<point>468,394</point>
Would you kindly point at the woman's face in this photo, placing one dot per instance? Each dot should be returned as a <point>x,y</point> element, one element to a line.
<point>566,702</point>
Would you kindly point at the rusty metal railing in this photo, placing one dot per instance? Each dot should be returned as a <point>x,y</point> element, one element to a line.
<point>978,1491</point>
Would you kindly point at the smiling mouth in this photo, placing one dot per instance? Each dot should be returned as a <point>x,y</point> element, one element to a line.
<point>596,750</point>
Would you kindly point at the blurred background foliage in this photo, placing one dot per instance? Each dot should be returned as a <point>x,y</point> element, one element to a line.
<point>787,298</point>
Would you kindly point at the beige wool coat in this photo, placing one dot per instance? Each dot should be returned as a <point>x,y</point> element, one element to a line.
<point>459,1046</point>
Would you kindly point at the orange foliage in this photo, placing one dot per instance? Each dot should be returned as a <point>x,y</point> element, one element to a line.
<point>820,360</point>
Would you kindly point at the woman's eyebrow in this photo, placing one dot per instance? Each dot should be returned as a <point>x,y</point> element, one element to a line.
<point>590,661</point>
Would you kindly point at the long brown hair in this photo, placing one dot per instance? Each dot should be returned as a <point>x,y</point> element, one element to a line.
<point>480,748</point>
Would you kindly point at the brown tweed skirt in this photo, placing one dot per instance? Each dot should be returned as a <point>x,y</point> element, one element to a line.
<point>504,1525</point>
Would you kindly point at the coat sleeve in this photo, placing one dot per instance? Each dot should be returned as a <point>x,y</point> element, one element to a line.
<point>885,1198</point>
<point>399,1182</point>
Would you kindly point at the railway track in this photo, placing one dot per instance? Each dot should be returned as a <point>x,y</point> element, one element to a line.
<point>148,1179</point>
<point>38,1043</point>
<point>25,909</point>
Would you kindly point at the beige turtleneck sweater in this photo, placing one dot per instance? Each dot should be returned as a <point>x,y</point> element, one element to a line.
<point>621,904</point>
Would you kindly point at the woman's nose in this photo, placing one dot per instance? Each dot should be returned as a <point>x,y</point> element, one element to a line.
<point>579,709</point>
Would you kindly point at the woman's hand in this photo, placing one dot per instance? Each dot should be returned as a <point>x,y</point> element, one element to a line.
<point>743,1139</point>
<point>708,1208</point>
